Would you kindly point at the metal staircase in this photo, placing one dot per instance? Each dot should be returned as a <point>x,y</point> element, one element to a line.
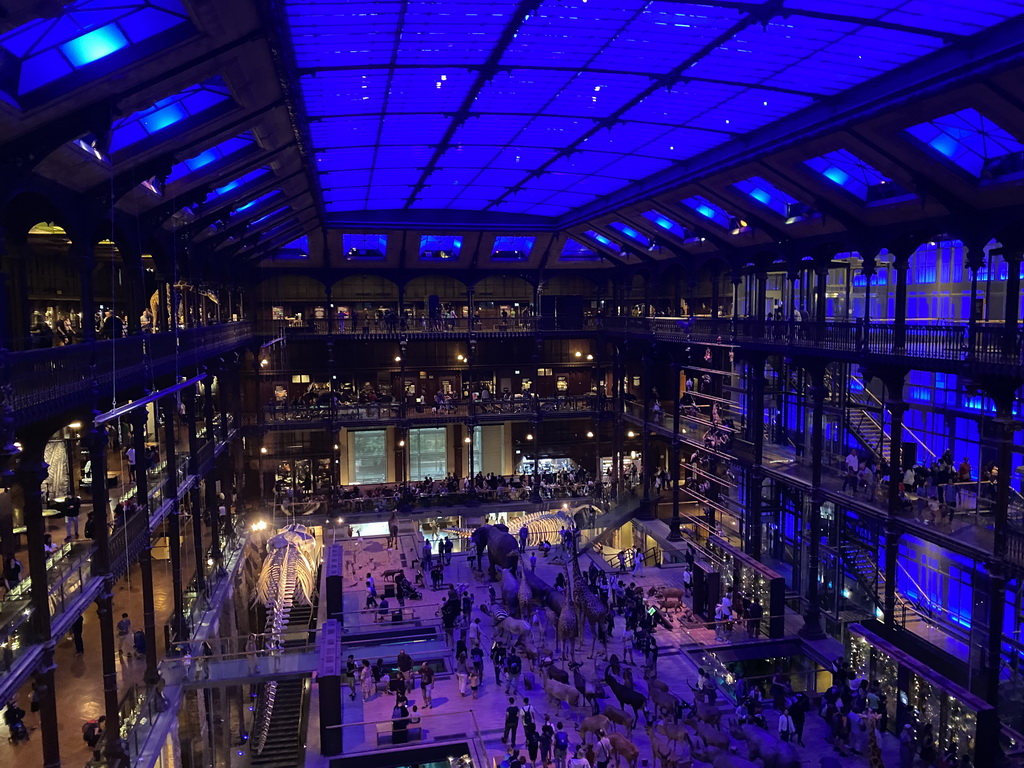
<point>284,739</point>
<point>862,565</point>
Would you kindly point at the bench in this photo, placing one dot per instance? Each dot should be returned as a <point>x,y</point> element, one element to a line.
<point>385,733</point>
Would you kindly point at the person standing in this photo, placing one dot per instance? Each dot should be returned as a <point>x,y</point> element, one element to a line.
<point>907,746</point>
<point>366,680</point>
<point>524,534</point>
<point>787,728</point>
<point>405,667</point>
<point>350,675</point>
<point>603,750</point>
<point>474,634</point>
<point>129,454</point>
<point>547,736</point>
<point>462,673</point>
<point>511,723</point>
<point>72,508</point>
<point>498,661</point>
<point>76,633</point>
<point>124,634</point>
<point>513,671</point>
<point>427,685</point>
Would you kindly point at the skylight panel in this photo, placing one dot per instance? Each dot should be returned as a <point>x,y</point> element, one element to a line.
<point>193,101</point>
<point>859,178</point>
<point>512,247</point>
<point>368,247</point>
<point>709,210</point>
<point>767,194</point>
<point>574,250</point>
<point>971,141</point>
<point>268,216</point>
<point>211,155</point>
<point>440,247</point>
<point>242,181</point>
<point>631,233</point>
<point>46,50</point>
<point>255,202</point>
<point>296,250</point>
<point>666,223</point>
<point>599,238</point>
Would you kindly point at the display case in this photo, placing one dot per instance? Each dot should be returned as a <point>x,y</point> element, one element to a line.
<point>754,579</point>
<point>920,696</point>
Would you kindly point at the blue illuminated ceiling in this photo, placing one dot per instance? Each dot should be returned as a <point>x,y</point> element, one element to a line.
<point>541,107</point>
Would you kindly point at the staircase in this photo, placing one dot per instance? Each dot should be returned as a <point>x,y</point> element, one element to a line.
<point>863,566</point>
<point>285,740</point>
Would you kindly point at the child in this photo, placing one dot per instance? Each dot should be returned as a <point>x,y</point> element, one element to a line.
<point>474,683</point>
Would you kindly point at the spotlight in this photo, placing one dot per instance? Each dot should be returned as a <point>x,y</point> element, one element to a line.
<point>264,363</point>
<point>465,440</point>
<point>398,358</point>
<point>529,437</point>
<point>579,354</point>
<point>401,443</point>
<point>263,450</point>
<point>75,425</point>
<point>590,357</point>
<point>590,434</point>
<point>631,433</point>
<point>459,357</point>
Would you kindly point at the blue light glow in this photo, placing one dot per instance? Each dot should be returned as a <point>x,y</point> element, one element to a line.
<point>440,247</point>
<point>357,246</point>
<point>249,178</point>
<point>856,176</point>
<point>767,194</point>
<point>226,148</point>
<point>191,102</point>
<point>598,236</point>
<point>631,233</point>
<point>969,139</point>
<point>709,210</point>
<point>94,45</point>
<point>666,223</point>
<point>385,80</point>
<point>512,247</point>
<point>574,250</point>
<point>85,32</point>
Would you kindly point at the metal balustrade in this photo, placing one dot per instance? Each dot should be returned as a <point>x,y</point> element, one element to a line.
<point>42,377</point>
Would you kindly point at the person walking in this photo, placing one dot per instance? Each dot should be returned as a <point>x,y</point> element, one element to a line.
<point>371,592</point>
<point>561,746</point>
<point>427,685</point>
<point>511,723</point>
<point>529,714</point>
<point>124,635</point>
<point>638,562</point>
<point>547,736</point>
<point>405,668</point>
<point>252,655</point>
<point>474,634</point>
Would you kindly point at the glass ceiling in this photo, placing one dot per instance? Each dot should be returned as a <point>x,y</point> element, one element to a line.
<point>540,107</point>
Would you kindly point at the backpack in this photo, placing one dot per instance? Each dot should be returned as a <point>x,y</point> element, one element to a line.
<point>562,740</point>
<point>527,716</point>
<point>89,732</point>
<point>515,666</point>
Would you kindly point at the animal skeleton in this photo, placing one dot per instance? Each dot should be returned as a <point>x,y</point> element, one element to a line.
<point>288,578</point>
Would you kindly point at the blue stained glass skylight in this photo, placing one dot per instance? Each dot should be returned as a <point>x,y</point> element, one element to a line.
<point>631,233</point>
<point>358,246</point>
<point>767,194</point>
<point>709,210</point>
<point>589,96</point>
<point>856,176</point>
<point>296,250</point>
<point>574,250</point>
<point>190,102</point>
<point>48,49</point>
<point>512,247</point>
<point>211,155</point>
<point>666,223</point>
<point>255,202</point>
<point>599,237</point>
<point>967,138</point>
<point>440,247</point>
<point>267,216</point>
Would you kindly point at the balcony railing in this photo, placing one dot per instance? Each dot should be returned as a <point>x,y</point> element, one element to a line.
<point>43,376</point>
<point>936,341</point>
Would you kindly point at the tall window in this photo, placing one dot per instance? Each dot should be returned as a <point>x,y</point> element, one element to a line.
<point>369,457</point>
<point>428,453</point>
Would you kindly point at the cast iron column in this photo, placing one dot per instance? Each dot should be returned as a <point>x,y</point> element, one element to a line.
<point>97,441</point>
<point>901,263</point>
<point>30,475</point>
<point>673,526</point>
<point>167,407</point>
<point>645,512</point>
<point>138,419</point>
<point>812,628</point>
<point>755,473</point>
<point>209,477</point>
<point>188,397</point>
